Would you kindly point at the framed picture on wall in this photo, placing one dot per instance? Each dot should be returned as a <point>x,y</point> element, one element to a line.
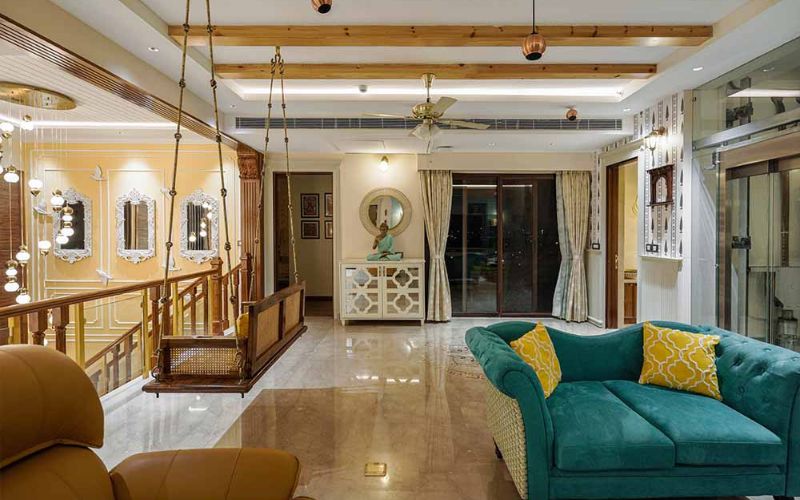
<point>309,205</point>
<point>328,229</point>
<point>309,229</point>
<point>328,204</point>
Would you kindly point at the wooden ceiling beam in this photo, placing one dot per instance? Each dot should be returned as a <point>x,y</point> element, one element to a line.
<point>446,36</point>
<point>531,71</point>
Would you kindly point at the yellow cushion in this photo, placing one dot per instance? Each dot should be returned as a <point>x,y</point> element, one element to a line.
<point>536,348</point>
<point>680,360</point>
<point>243,325</point>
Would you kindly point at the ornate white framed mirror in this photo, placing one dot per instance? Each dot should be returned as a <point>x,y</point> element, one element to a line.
<point>385,205</point>
<point>136,226</point>
<point>199,227</point>
<point>76,217</point>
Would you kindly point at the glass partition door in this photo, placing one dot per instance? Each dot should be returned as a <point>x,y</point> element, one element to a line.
<point>760,268</point>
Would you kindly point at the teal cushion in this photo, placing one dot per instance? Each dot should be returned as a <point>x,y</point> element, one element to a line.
<point>705,431</point>
<point>595,431</point>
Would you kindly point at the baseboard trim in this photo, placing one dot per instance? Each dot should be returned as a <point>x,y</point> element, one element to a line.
<point>596,322</point>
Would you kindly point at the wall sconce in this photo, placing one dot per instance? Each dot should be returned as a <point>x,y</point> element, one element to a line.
<point>322,6</point>
<point>384,164</point>
<point>653,139</point>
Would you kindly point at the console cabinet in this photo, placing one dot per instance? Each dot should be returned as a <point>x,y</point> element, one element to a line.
<point>383,290</point>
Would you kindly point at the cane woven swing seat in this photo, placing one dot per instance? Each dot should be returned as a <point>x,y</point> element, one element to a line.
<point>265,328</point>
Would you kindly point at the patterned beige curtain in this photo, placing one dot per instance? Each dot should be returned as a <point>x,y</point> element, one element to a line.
<point>437,197</point>
<point>570,301</point>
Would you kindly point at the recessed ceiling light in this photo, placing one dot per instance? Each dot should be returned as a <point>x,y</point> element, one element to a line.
<point>626,110</point>
<point>697,68</point>
<point>767,93</point>
<point>767,70</point>
<point>233,106</point>
<point>153,49</point>
<point>491,144</point>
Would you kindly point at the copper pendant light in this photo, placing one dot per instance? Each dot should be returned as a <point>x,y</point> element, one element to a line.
<point>534,45</point>
<point>322,6</point>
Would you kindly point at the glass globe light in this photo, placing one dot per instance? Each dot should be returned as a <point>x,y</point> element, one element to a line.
<point>11,175</point>
<point>192,237</point>
<point>67,217</point>
<point>44,246</point>
<point>203,224</point>
<point>11,269</point>
<point>11,286</point>
<point>6,127</point>
<point>23,255</point>
<point>62,239</point>
<point>206,205</point>
<point>35,186</point>
<point>203,233</point>
<point>57,200</point>
<point>27,123</point>
<point>23,297</point>
<point>67,231</point>
<point>209,214</point>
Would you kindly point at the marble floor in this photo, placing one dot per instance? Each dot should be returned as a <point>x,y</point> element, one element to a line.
<point>409,396</point>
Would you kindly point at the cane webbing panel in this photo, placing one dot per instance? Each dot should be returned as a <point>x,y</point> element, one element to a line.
<point>505,423</point>
<point>211,361</point>
<point>267,334</point>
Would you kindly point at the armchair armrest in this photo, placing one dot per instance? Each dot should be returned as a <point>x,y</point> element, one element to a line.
<point>510,375</point>
<point>219,473</point>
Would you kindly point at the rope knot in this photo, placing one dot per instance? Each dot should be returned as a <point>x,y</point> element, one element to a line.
<point>178,136</point>
<point>172,192</point>
<point>227,246</point>
<point>182,83</point>
<point>186,27</point>
<point>223,192</point>
<point>168,245</point>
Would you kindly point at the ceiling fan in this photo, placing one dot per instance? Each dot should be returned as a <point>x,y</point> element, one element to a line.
<point>431,114</point>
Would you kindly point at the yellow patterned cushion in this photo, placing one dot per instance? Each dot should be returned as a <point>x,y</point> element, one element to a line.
<point>536,348</point>
<point>680,360</point>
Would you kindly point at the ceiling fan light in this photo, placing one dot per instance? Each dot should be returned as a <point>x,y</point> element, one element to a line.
<point>533,46</point>
<point>322,6</point>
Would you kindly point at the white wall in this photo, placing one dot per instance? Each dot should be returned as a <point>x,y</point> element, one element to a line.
<point>507,162</point>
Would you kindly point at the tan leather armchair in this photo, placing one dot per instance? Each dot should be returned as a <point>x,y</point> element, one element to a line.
<point>50,415</point>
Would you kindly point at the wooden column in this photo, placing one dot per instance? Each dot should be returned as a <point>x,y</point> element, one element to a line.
<point>250,164</point>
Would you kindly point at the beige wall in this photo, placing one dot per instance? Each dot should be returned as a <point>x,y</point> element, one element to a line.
<point>359,174</point>
<point>630,214</point>
<point>314,257</point>
<point>146,168</point>
<point>507,162</point>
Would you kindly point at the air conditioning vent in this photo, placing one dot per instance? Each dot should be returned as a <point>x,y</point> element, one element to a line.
<point>246,123</point>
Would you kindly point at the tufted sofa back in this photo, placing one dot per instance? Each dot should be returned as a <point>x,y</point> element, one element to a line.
<point>758,380</point>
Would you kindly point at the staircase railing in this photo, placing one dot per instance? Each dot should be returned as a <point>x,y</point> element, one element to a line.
<point>199,304</point>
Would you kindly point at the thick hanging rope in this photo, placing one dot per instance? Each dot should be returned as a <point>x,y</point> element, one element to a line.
<point>277,66</point>
<point>173,193</point>
<point>163,300</point>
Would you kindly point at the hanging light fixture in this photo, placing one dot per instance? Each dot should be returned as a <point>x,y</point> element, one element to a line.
<point>27,123</point>
<point>533,45</point>
<point>66,214</point>
<point>384,164</point>
<point>203,233</point>
<point>57,200</point>
<point>44,247</point>
<point>6,127</point>
<point>62,239</point>
<point>23,297</point>
<point>67,230</point>
<point>35,185</point>
<point>23,255</point>
<point>192,237</point>
<point>322,6</point>
<point>11,285</point>
<point>10,174</point>
<point>11,268</point>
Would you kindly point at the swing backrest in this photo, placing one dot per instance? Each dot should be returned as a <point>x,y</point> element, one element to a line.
<point>272,322</point>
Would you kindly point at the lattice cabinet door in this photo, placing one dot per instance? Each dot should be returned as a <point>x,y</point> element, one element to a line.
<point>361,291</point>
<point>403,294</point>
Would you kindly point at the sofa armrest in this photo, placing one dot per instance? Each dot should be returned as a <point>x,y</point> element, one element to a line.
<point>509,374</point>
<point>209,473</point>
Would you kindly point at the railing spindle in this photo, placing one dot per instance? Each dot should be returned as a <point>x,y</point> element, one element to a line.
<point>177,309</point>
<point>80,334</point>
<point>128,358</point>
<point>115,367</point>
<point>204,293</point>
<point>60,322</point>
<point>38,325</point>
<point>217,320</point>
<point>145,342</point>
<point>193,309</point>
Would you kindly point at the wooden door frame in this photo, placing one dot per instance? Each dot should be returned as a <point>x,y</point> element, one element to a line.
<point>613,288</point>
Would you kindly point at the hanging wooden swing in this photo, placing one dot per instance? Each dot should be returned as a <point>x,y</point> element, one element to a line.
<point>264,329</point>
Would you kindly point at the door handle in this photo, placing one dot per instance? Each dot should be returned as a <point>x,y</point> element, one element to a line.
<point>616,261</point>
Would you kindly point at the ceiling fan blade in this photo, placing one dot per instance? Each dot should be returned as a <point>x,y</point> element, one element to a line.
<point>442,105</point>
<point>420,132</point>
<point>383,115</point>
<point>465,124</point>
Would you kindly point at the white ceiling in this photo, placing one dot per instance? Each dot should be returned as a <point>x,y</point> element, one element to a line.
<point>137,25</point>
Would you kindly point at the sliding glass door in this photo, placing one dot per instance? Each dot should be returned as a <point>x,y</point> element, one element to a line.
<point>502,253</point>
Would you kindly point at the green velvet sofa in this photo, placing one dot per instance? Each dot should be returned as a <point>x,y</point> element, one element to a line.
<point>603,435</point>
